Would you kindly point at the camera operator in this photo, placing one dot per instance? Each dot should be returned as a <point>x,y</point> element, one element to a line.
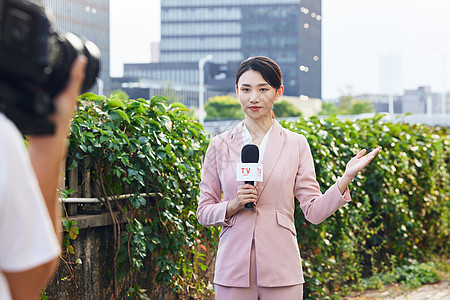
<point>29,211</point>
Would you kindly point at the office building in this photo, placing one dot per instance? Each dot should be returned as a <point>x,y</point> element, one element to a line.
<point>289,31</point>
<point>416,101</point>
<point>89,19</point>
<point>140,87</point>
<point>421,100</point>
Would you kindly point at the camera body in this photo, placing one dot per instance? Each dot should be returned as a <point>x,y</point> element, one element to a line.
<point>35,64</point>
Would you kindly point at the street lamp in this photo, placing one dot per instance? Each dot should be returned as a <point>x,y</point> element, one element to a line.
<point>100,85</point>
<point>444,93</point>
<point>201,85</point>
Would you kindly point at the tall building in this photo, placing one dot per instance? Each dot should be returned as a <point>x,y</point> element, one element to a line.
<point>89,19</point>
<point>391,74</point>
<point>288,31</point>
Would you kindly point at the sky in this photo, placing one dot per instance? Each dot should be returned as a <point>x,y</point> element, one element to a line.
<point>355,35</point>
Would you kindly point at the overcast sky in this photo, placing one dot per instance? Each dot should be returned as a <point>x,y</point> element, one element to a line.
<point>355,35</point>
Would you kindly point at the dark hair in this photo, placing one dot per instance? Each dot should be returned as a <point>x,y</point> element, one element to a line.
<point>269,70</point>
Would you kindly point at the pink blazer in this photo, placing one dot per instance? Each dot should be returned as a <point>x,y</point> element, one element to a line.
<point>288,172</point>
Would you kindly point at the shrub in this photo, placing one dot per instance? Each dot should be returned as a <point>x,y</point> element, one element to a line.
<point>399,202</point>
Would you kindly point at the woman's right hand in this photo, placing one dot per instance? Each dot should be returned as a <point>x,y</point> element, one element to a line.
<point>246,193</point>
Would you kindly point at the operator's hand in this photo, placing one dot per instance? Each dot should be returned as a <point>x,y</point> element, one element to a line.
<point>48,151</point>
<point>65,101</point>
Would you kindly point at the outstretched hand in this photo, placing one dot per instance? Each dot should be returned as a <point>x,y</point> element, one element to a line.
<point>359,162</point>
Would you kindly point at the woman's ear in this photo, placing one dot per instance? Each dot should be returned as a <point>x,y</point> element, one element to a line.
<point>237,90</point>
<point>279,92</point>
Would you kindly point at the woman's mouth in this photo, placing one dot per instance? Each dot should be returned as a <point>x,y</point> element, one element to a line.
<point>254,108</point>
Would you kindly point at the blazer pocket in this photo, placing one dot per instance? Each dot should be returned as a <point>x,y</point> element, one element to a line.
<point>284,221</point>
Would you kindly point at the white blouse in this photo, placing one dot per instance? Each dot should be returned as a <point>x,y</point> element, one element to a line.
<point>247,138</point>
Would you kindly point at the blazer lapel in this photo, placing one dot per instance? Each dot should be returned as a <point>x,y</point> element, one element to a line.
<point>235,144</point>
<point>272,154</point>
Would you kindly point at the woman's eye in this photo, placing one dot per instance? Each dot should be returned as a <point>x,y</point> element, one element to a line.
<point>263,90</point>
<point>245,90</point>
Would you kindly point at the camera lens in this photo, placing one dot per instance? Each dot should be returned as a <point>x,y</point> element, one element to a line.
<point>35,64</point>
<point>92,52</point>
<point>64,49</point>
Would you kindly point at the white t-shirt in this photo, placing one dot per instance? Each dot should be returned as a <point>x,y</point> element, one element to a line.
<point>27,237</point>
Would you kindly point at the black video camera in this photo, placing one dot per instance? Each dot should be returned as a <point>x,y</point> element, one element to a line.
<point>35,64</point>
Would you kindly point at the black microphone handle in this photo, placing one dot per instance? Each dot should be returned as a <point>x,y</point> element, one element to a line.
<point>250,204</point>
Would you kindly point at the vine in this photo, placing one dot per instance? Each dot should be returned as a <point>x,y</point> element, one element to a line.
<point>151,151</point>
<point>71,232</point>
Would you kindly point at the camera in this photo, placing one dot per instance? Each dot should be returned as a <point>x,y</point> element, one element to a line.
<point>35,64</point>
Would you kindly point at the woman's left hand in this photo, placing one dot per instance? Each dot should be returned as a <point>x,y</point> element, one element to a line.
<point>359,162</point>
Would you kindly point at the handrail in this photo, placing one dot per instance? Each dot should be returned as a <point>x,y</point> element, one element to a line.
<point>96,200</point>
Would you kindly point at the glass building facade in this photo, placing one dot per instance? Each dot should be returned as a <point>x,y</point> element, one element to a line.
<point>87,18</point>
<point>288,31</point>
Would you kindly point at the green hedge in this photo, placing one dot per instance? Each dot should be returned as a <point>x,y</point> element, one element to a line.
<point>400,204</point>
<point>143,147</point>
<point>399,210</point>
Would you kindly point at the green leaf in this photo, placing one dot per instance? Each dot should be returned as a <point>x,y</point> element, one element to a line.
<point>119,114</point>
<point>90,96</point>
<point>177,106</point>
<point>115,103</point>
<point>161,107</point>
<point>158,99</point>
<point>124,136</point>
<point>70,250</point>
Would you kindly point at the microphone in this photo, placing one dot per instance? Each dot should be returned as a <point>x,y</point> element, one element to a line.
<point>250,154</point>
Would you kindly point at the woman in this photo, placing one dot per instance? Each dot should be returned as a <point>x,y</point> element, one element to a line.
<point>258,256</point>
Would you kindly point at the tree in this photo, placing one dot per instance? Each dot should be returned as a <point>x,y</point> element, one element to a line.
<point>347,106</point>
<point>171,95</point>
<point>352,106</point>
<point>227,107</point>
<point>223,107</point>
<point>329,108</point>
<point>121,94</point>
<point>283,109</point>
<point>361,106</point>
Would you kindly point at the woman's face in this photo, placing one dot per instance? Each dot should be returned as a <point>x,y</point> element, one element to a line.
<point>256,95</point>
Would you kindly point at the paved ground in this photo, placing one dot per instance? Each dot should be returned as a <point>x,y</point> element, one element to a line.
<point>437,291</point>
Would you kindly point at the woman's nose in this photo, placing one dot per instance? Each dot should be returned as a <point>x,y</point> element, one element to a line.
<point>254,98</point>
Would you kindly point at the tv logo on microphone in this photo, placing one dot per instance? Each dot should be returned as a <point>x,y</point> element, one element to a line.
<point>249,172</point>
